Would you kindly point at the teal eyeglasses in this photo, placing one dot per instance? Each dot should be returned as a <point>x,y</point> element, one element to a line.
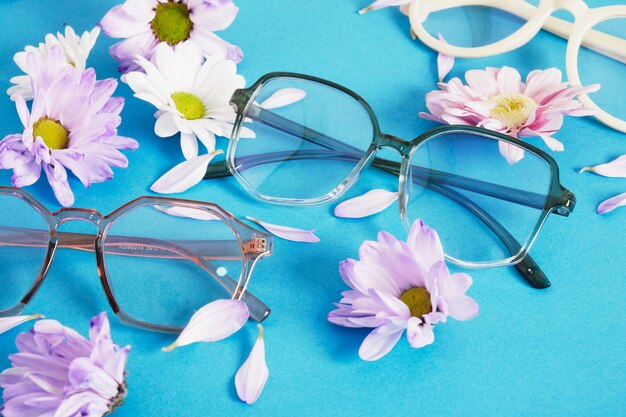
<point>312,151</point>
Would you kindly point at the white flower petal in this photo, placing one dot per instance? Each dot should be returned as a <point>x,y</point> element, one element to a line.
<point>444,62</point>
<point>283,97</point>
<point>252,376</point>
<point>288,233</point>
<point>165,125</point>
<point>612,203</point>
<point>372,202</point>
<point>616,168</point>
<point>215,321</point>
<point>7,323</point>
<point>419,334</point>
<point>188,212</point>
<point>378,343</point>
<point>189,145</point>
<point>184,175</point>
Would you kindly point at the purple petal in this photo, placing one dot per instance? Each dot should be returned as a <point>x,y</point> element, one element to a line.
<point>215,321</point>
<point>615,168</point>
<point>444,62</point>
<point>379,4</point>
<point>283,97</point>
<point>372,202</point>
<point>419,334</point>
<point>425,244</point>
<point>7,323</point>
<point>612,203</point>
<point>378,343</point>
<point>252,376</point>
<point>184,175</point>
<point>288,233</point>
<point>188,212</point>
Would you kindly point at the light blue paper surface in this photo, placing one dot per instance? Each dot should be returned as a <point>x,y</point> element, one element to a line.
<point>557,352</point>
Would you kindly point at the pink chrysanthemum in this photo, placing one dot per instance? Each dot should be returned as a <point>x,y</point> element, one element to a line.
<point>72,124</point>
<point>397,286</point>
<point>59,373</point>
<point>146,23</point>
<point>497,99</point>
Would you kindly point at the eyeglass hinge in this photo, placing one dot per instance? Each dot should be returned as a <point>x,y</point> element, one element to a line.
<point>257,245</point>
<point>567,205</point>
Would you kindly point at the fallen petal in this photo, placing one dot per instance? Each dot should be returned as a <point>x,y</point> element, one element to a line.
<point>616,168</point>
<point>371,202</point>
<point>215,321</point>
<point>612,203</point>
<point>288,233</point>
<point>188,212</point>
<point>444,62</point>
<point>184,175</point>
<point>283,97</point>
<point>7,323</point>
<point>252,376</point>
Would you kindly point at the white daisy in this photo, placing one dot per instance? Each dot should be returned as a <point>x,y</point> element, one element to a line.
<point>191,94</point>
<point>76,49</point>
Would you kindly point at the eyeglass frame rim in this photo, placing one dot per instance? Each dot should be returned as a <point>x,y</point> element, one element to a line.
<point>557,198</point>
<point>104,222</point>
<point>585,18</point>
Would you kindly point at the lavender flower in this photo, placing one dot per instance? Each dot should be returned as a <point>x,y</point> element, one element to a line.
<point>397,286</point>
<point>144,24</point>
<point>72,124</point>
<point>59,373</point>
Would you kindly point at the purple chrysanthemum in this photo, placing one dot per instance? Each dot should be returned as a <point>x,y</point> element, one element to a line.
<point>146,23</point>
<point>59,373</point>
<point>401,285</point>
<point>72,124</point>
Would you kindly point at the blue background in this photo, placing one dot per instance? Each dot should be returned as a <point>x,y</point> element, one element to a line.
<point>557,352</point>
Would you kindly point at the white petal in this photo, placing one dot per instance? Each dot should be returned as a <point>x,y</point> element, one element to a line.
<point>283,97</point>
<point>252,376</point>
<point>187,212</point>
<point>612,203</point>
<point>371,202</point>
<point>7,323</point>
<point>419,334</point>
<point>288,233</point>
<point>510,152</point>
<point>378,343</point>
<point>165,126</point>
<point>215,321</point>
<point>184,175</point>
<point>616,168</point>
<point>444,62</point>
<point>189,145</point>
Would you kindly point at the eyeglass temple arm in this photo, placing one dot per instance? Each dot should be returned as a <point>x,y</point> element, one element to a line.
<point>605,44</point>
<point>196,251</point>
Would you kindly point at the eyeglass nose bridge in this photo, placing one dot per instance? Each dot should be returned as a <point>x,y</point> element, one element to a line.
<point>403,147</point>
<point>78,214</point>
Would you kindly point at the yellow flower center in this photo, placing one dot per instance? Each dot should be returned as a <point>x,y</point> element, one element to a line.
<point>53,134</point>
<point>417,300</point>
<point>512,109</point>
<point>171,23</point>
<point>190,106</point>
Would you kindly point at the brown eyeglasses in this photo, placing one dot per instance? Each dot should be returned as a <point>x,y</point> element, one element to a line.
<point>159,259</point>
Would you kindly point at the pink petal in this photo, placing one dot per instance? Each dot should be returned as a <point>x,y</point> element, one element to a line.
<point>378,343</point>
<point>283,97</point>
<point>371,202</point>
<point>612,203</point>
<point>616,168</point>
<point>288,233</point>
<point>184,175</point>
<point>509,80</point>
<point>510,152</point>
<point>215,321</point>
<point>419,334</point>
<point>188,212</point>
<point>7,323</point>
<point>444,62</point>
<point>252,376</point>
<point>482,82</point>
<point>379,4</point>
